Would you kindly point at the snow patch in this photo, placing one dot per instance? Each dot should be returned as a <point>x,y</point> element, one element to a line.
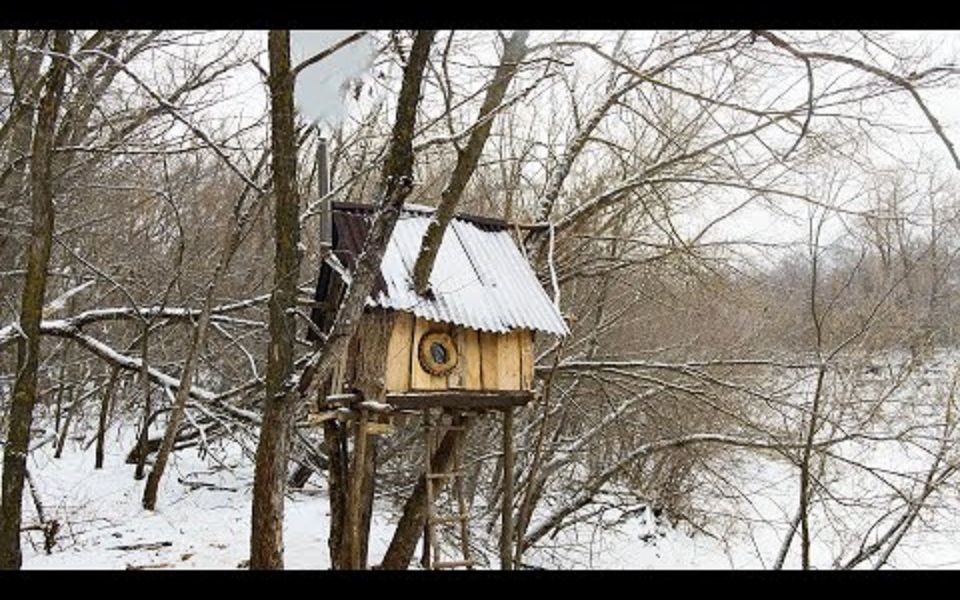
<point>322,89</point>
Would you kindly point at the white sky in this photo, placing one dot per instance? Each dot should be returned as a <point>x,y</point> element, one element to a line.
<point>320,95</point>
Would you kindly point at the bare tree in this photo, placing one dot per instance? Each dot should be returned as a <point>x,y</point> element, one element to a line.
<point>284,397</point>
<point>28,350</point>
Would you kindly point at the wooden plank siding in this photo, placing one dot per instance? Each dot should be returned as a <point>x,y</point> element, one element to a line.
<point>398,354</point>
<point>420,379</point>
<point>469,340</point>
<point>489,360</point>
<point>526,359</point>
<point>508,365</point>
<point>486,361</point>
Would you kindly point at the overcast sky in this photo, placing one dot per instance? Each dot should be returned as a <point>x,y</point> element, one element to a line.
<point>320,95</point>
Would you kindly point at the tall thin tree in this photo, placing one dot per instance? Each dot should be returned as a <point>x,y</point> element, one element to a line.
<point>31,306</point>
<point>266,531</point>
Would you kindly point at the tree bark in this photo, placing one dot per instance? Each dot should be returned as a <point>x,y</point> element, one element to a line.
<point>105,404</point>
<point>144,438</point>
<point>355,501</point>
<point>180,401</point>
<point>335,440</point>
<point>367,490</point>
<point>284,392</point>
<point>266,531</point>
<point>28,348</point>
<point>75,400</point>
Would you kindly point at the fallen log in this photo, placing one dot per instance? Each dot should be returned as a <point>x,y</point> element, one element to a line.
<point>142,546</point>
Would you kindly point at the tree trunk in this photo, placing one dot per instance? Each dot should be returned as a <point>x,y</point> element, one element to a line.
<point>28,347</point>
<point>367,489</point>
<point>105,404</point>
<point>75,400</point>
<point>23,71</point>
<point>144,438</point>
<point>282,396</point>
<point>232,240</point>
<point>266,531</point>
<point>180,401</point>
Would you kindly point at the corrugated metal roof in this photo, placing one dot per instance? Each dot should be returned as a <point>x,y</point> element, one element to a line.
<point>479,280</point>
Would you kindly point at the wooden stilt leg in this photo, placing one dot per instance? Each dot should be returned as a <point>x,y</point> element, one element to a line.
<point>428,526</point>
<point>337,476</point>
<point>506,532</point>
<point>367,492</point>
<point>355,494</point>
<point>462,514</point>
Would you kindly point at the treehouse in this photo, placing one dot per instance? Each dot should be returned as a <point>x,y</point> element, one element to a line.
<point>463,349</point>
<point>469,345</point>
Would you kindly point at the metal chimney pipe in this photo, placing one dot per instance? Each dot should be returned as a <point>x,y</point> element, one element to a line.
<point>323,188</point>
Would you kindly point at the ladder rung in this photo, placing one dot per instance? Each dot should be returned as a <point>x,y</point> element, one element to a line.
<point>453,564</point>
<point>443,475</point>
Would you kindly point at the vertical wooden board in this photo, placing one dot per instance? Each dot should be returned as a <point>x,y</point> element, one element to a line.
<point>457,379</point>
<point>344,375</point>
<point>438,382</point>
<point>399,354</point>
<point>373,336</point>
<point>509,361</point>
<point>526,359</point>
<point>420,379</point>
<point>350,370</point>
<point>466,374</point>
<point>489,360</point>
<point>469,346</point>
<point>337,375</point>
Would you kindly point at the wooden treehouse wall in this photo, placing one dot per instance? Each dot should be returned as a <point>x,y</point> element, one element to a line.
<point>385,353</point>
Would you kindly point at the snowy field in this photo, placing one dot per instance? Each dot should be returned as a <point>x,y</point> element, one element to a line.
<point>203,515</point>
<point>202,521</point>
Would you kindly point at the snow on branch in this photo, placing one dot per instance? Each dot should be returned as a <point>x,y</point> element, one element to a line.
<point>11,332</point>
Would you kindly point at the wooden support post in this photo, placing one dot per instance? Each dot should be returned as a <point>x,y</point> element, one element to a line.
<point>428,530</point>
<point>356,489</point>
<point>337,477</point>
<point>367,492</point>
<point>506,531</point>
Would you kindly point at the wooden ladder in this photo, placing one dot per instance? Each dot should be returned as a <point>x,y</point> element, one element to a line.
<point>434,431</point>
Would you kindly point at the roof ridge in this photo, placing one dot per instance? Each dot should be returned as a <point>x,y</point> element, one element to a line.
<point>426,210</point>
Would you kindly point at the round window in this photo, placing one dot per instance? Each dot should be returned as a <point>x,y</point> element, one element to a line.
<point>438,354</point>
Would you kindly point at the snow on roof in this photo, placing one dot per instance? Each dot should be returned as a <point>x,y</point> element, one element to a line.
<point>480,278</point>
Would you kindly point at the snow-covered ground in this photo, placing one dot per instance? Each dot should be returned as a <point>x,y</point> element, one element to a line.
<point>208,526</point>
<point>202,519</point>
<point>203,514</point>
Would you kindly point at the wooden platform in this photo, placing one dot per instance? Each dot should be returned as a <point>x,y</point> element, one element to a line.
<point>455,399</point>
<point>463,400</point>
